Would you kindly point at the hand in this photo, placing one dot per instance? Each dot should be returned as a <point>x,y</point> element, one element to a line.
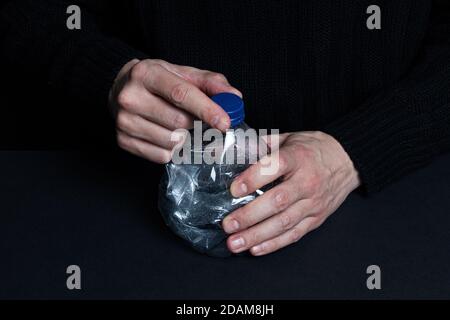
<point>316,177</point>
<point>152,98</point>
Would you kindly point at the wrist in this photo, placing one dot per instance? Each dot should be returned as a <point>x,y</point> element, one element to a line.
<point>344,162</point>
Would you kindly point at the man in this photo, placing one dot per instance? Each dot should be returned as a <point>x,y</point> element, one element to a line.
<point>359,107</point>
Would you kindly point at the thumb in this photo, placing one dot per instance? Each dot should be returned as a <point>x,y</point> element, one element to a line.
<point>214,83</point>
<point>211,83</point>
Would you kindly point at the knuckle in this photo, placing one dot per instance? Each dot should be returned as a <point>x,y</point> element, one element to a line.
<point>312,183</point>
<point>300,151</point>
<point>159,61</point>
<point>154,69</point>
<point>321,135</point>
<point>122,141</point>
<point>123,121</point>
<point>296,234</point>
<point>307,153</point>
<point>179,93</point>
<point>281,200</point>
<point>214,76</point>
<point>126,99</point>
<point>282,162</point>
<point>181,121</point>
<point>285,221</point>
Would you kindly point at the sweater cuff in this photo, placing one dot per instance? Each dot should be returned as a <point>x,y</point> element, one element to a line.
<point>96,63</point>
<point>382,138</point>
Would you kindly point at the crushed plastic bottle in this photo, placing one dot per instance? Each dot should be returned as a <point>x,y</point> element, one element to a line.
<point>195,198</point>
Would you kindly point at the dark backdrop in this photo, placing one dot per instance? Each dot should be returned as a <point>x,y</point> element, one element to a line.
<point>36,117</point>
<point>126,251</point>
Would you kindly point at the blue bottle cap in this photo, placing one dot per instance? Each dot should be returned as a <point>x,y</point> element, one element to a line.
<point>233,106</point>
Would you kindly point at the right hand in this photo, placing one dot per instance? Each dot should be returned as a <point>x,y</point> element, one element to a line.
<point>152,98</point>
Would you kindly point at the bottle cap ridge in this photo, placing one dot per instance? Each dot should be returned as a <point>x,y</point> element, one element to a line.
<point>233,105</point>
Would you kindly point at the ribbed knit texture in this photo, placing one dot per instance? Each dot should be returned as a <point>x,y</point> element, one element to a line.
<point>302,65</point>
<point>83,63</point>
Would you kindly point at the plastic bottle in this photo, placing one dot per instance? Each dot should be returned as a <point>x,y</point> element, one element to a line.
<point>195,198</point>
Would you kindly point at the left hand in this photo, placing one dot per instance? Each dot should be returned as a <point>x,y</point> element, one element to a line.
<point>316,177</point>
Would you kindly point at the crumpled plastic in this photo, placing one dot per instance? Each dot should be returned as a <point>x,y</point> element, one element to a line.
<point>195,198</point>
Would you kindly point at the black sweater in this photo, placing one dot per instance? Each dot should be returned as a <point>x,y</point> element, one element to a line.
<point>302,65</point>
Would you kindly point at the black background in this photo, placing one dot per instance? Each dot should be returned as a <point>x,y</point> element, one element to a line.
<point>95,206</point>
<point>98,211</point>
<point>35,117</point>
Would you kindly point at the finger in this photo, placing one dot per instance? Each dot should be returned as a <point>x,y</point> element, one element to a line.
<point>186,96</point>
<point>265,171</point>
<point>287,238</point>
<point>213,83</point>
<point>275,141</point>
<point>143,149</point>
<point>174,68</point>
<point>140,128</point>
<point>157,110</point>
<point>270,203</point>
<point>209,82</point>
<point>270,228</point>
<point>134,99</point>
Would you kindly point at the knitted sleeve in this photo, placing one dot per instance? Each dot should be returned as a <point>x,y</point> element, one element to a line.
<point>404,127</point>
<point>82,63</point>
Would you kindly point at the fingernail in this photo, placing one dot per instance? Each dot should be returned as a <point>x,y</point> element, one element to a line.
<point>257,250</point>
<point>215,121</point>
<point>237,243</point>
<point>178,137</point>
<point>231,225</point>
<point>240,190</point>
<point>237,92</point>
<point>223,124</point>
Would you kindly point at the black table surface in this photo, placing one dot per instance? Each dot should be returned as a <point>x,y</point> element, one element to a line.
<point>98,210</point>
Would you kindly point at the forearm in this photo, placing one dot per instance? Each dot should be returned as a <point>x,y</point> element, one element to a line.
<point>80,63</point>
<point>403,127</point>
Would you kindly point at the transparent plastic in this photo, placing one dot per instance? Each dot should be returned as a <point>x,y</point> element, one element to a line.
<point>195,198</point>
